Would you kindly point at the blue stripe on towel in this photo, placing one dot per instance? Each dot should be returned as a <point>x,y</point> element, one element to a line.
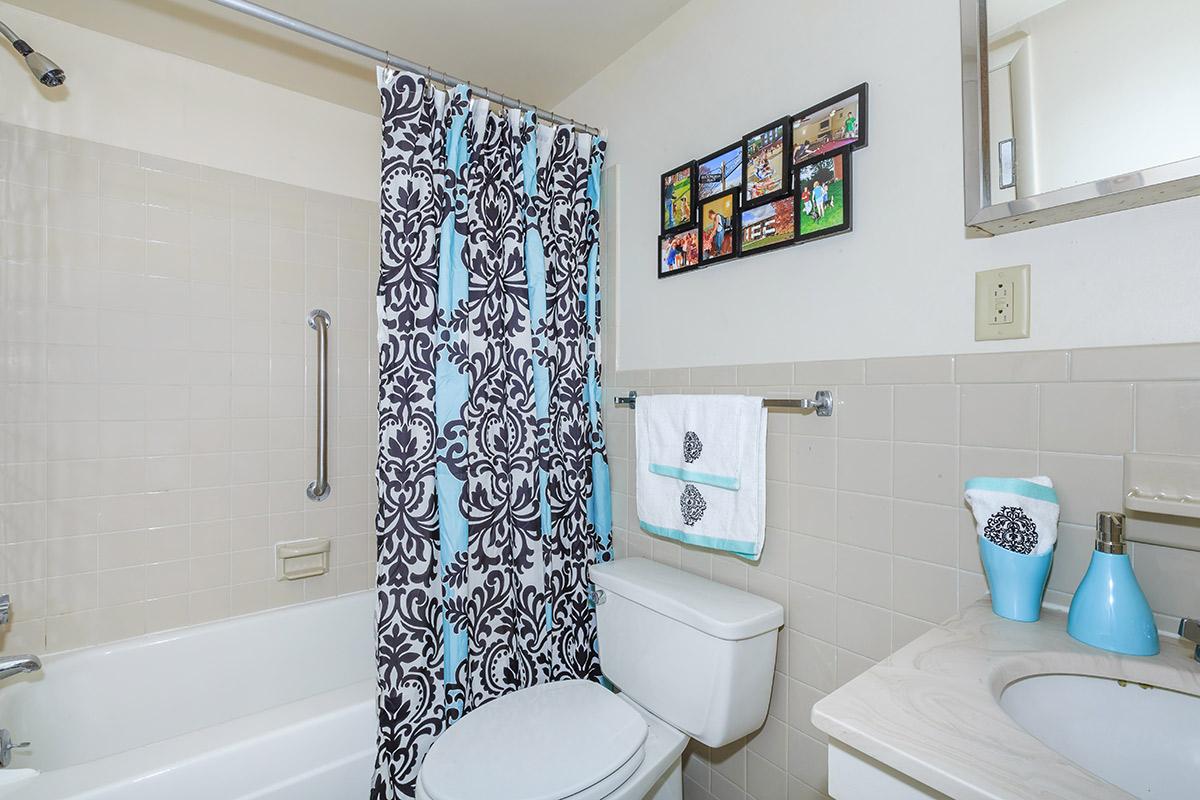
<point>739,548</point>
<point>720,481</point>
<point>1034,491</point>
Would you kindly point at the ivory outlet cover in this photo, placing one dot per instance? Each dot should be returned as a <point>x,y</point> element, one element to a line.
<point>1002,303</point>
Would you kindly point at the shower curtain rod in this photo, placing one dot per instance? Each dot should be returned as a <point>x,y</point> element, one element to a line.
<point>383,57</point>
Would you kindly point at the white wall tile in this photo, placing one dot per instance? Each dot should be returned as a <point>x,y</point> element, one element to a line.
<point>925,532</point>
<point>1166,418</point>
<point>1085,484</point>
<point>864,412</point>
<point>813,561</point>
<point>1145,363</point>
<point>926,472</point>
<point>1071,556</point>
<point>925,591</point>
<point>763,375</point>
<point>999,415</point>
<point>828,374</point>
<point>864,520</point>
<point>913,369</point>
<point>1168,576</point>
<point>864,629</point>
<point>864,575</point>
<point>1087,418</point>
<point>926,413</point>
<point>995,462</point>
<point>864,466</point>
<point>1031,367</point>
<point>812,510</point>
<point>813,461</point>
<point>143,368</point>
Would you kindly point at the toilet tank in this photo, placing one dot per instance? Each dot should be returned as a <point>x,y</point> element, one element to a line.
<point>697,654</point>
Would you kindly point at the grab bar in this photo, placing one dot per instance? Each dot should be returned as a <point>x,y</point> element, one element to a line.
<point>318,320</point>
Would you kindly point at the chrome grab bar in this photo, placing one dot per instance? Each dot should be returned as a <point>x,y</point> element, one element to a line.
<point>822,403</point>
<point>318,320</point>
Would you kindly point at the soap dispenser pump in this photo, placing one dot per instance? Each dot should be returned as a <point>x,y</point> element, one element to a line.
<point>1109,610</point>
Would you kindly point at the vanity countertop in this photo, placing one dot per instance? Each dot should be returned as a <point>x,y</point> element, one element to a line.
<point>931,710</point>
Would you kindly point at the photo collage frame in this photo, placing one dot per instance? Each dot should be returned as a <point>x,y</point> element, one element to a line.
<point>787,182</point>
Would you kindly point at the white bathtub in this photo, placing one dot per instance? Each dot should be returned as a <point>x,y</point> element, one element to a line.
<point>272,705</point>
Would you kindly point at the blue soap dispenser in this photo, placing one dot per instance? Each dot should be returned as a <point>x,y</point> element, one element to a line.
<point>1109,610</point>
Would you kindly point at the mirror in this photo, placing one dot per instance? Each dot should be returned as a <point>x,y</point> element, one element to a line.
<point>1078,107</point>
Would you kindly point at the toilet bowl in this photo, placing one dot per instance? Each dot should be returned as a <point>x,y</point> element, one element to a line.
<point>691,658</point>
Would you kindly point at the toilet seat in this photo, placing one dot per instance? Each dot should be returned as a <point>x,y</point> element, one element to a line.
<point>571,740</point>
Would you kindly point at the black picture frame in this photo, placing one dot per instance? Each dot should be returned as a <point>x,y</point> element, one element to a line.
<point>735,223</point>
<point>785,188</point>
<point>732,147</point>
<point>786,241</point>
<point>847,223</point>
<point>662,198</point>
<point>863,128</point>
<point>662,273</point>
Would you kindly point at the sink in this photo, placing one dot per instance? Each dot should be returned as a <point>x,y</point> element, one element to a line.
<point>1143,739</point>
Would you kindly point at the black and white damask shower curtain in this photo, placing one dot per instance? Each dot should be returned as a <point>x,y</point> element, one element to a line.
<point>493,482</point>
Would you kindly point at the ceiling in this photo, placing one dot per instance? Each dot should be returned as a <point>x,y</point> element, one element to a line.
<point>537,50</point>
<point>1002,14</point>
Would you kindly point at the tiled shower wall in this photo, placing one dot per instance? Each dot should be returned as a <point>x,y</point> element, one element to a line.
<point>157,425</point>
<point>868,541</point>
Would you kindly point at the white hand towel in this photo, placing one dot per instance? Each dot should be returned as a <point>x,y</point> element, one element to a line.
<point>699,438</point>
<point>704,514</point>
<point>1018,514</point>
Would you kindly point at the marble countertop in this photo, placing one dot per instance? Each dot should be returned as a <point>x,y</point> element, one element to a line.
<point>931,710</point>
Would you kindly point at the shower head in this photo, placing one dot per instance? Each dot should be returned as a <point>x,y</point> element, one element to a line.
<point>42,68</point>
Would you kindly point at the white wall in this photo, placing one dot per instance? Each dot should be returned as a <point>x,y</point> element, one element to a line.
<point>130,96</point>
<point>902,283</point>
<point>1112,93</point>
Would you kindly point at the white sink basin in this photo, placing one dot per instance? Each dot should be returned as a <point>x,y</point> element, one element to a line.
<point>1144,739</point>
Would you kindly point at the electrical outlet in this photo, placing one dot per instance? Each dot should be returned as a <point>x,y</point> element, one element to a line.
<point>1002,303</point>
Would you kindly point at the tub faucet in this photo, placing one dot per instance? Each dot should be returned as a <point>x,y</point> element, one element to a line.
<point>7,745</point>
<point>1190,629</point>
<point>16,665</point>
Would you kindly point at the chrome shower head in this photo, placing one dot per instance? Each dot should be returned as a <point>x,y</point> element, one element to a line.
<point>42,68</point>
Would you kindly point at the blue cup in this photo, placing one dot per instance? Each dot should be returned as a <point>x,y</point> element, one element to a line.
<point>1017,581</point>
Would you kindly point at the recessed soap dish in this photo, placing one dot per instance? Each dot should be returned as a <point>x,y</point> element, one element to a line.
<point>1162,484</point>
<point>303,558</point>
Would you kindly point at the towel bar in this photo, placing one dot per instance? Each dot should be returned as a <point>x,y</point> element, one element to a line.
<point>822,403</point>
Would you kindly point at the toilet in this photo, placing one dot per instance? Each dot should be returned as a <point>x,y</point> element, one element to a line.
<point>690,658</point>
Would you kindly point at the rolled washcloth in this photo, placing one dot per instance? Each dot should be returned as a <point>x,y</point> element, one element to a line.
<point>1018,514</point>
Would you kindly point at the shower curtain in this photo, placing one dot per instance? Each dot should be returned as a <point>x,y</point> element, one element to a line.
<point>493,481</point>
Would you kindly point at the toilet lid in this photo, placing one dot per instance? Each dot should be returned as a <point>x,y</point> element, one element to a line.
<point>547,742</point>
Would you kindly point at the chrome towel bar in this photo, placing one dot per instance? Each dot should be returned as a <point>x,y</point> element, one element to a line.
<point>318,320</point>
<point>822,403</point>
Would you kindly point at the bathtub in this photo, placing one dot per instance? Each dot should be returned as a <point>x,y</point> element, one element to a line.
<point>278,704</point>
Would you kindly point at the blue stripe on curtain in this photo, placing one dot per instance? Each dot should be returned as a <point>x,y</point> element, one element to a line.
<point>452,392</point>
<point>600,505</point>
